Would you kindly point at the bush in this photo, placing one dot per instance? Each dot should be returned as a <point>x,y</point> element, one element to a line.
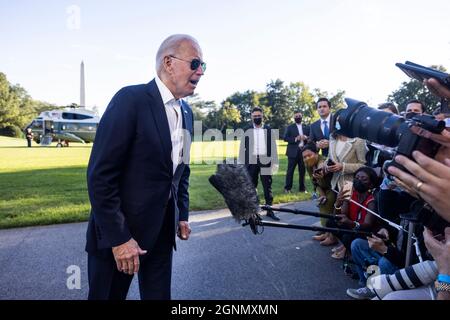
<point>12,131</point>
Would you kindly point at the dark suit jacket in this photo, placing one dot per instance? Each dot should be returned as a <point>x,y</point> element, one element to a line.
<point>246,148</point>
<point>316,133</point>
<point>292,150</point>
<point>130,172</point>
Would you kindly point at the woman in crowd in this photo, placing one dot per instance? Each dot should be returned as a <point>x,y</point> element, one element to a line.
<point>346,156</point>
<point>353,216</point>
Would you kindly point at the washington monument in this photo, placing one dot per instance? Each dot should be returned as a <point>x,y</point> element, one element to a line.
<point>82,92</point>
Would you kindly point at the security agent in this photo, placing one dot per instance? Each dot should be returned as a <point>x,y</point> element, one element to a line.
<point>258,151</point>
<point>296,135</point>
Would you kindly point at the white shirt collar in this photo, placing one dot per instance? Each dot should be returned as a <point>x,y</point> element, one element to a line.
<point>166,95</point>
<point>327,119</point>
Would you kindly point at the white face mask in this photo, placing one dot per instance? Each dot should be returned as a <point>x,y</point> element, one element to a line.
<point>447,122</point>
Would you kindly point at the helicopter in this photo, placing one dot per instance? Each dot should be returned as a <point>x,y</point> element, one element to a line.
<point>64,126</point>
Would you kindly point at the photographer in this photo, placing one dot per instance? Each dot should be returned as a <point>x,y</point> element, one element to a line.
<point>314,166</point>
<point>430,180</point>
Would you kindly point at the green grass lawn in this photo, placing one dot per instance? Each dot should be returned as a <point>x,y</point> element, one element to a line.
<point>47,185</point>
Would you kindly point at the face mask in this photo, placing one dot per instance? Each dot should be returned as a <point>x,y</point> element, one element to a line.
<point>257,121</point>
<point>360,186</point>
<point>310,162</point>
<point>298,120</point>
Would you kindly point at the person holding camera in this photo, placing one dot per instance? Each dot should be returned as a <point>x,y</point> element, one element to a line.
<point>314,163</point>
<point>414,106</point>
<point>352,216</point>
<point>429,179</point>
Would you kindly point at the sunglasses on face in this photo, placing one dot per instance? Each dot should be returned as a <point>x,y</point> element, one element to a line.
<point>195,63</point>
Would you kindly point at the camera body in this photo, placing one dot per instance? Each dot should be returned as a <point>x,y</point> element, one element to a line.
<point>384,128</point>
<point>410,142</point>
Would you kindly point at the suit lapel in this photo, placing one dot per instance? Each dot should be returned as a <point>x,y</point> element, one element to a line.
<point>161,122</point>
<point>296,129</point>
<point>347,147</point>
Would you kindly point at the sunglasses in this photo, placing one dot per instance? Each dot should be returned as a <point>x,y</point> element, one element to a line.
<point>195,63</point>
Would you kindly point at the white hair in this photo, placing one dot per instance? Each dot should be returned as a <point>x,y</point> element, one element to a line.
<point>170,46</point>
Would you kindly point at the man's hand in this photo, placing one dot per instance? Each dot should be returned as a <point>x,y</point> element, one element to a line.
<point>437,89</point>
<point>127,256</point>
<point>430,179</point>
<point>323,144</point>
<point>345,221</point>
<point>442,138</point>
<point>342,196</point>
<point>377,244</point>
<point>322,200</point>
<point>336,167</point>
<point>183,230</point>
<point>440,250</point>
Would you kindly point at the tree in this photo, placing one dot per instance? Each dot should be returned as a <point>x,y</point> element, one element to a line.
<point>244,103</point>
<point>413,89</point>
<point>200,108</point>
<point>303,100</point>
<point>278,98</point>
<point>9,104</point>
<point>226,117</point>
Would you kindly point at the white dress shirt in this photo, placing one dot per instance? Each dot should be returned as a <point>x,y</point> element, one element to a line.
<point>300,132</point>
<point>259,146</point>
<point>174,117</point>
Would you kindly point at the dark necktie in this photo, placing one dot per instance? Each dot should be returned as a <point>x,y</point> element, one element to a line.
<point>326,130</point>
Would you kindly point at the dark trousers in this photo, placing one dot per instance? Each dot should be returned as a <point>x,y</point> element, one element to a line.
<point>292,163</point>
<point>255,170</point>
<point>155,271</point>
<point>29,143</point>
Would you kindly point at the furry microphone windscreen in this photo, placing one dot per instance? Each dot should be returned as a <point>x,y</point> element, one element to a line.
<point>236,187</point>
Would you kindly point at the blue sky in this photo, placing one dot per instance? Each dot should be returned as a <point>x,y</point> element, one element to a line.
<point>350,45</point>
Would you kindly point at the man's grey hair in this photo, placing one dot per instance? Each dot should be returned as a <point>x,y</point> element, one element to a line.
<point>170,46</point>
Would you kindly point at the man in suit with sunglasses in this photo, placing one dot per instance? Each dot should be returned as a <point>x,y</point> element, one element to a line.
<point>138,177</point>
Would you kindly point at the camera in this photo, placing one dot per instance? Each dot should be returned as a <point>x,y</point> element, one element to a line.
<point>360,120</point>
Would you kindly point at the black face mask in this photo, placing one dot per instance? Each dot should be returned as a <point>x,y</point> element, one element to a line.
<point>257,121</point>
<point>360,186</point>
<point>298,120</point>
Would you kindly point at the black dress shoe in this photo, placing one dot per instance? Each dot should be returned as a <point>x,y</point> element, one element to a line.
<point>272,215</point>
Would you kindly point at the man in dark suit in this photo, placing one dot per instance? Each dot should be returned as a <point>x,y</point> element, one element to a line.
<point>296,135</point>
<point>320,130</point>
<point>258,151</point>
<point>138,177</point>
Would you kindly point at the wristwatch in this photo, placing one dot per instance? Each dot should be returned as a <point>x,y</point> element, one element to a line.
<point>442,286</point>
<point>442,283</point>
